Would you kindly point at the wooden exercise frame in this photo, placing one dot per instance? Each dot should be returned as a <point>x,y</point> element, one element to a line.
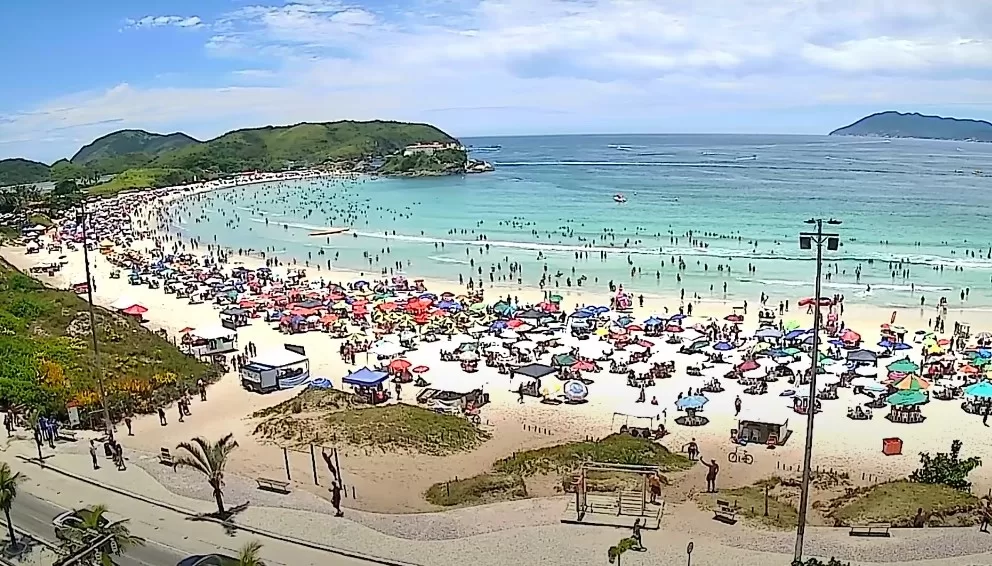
<point>614,515</point>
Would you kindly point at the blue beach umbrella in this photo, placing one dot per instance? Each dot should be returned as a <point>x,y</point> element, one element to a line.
<point>625,321</point>
<point>983,353</point>
<point>676,318</point>
<point>982,389</point>
<point>901,346</point>
<point>886,344</point>
<point>692,402</point>
<point>498,325</point>
<point>836,342</point>
<point>581,314</point>
<point>794,334</point>
<point>653,321</point>
<point>576,390</point>
<point>723,346</point>
<point>601,310</point>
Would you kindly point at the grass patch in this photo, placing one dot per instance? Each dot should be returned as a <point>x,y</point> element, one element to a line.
<point>145,178</point>
<point>897,502</point>
<point>328,416</point>
<point>614,449</point>
<point>750,501</point>
<point>48,358</point>
<point>477,490</point>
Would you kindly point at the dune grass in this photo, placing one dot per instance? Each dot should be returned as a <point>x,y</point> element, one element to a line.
<point>750,501</point>
<point>614,449</point>
<point>897,503</point>
<point>477,490</point>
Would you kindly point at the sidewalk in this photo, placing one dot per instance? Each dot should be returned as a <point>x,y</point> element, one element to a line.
<point>552,544</point>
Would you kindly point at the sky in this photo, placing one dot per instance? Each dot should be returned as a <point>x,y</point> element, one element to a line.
<point>72,71</point>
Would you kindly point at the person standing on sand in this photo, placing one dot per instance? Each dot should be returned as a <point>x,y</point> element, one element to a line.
<point>737,406</point>
<point>161,417</point>
<point>654,483</point>
<point>96,465</point>
<point>127,423</point>
<point>520,394</point>
<point>713,470</point>
<point>692,449</point>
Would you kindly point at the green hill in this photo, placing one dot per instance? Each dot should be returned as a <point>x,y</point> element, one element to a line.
<point>914,125</point>
<point>275,147</point>
<point>19,171</point>
<point>128,142</point>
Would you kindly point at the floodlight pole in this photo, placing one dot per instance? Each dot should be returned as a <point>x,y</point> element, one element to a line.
<point>96,348</point>
<point>806,238</point>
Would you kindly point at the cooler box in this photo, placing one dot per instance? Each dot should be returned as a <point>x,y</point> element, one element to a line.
<point>892,446</point>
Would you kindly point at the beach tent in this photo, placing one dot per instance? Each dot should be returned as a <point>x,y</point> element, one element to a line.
<point>365,377</point>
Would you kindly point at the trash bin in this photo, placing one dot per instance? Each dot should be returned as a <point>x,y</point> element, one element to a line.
<point>892,446</point>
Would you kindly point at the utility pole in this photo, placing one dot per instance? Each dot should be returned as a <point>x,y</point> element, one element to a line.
<point>806,241</point>
<point>82,220</point>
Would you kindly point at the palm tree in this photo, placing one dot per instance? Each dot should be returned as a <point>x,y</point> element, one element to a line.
<point>210,459</point>
<point>94,525</point>
<point>615,552</point>
<point>248,554</point>
<point>8,492</point>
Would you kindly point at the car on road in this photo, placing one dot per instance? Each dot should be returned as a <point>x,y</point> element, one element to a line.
<point>209,560</point>
<point>73,519</point>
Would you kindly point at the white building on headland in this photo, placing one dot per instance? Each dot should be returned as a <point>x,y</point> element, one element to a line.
<point>430,148</point>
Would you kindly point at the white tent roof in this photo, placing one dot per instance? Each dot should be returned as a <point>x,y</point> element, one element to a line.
<point>278,358</point>
<point>761,417</point>
<point>214,332</point>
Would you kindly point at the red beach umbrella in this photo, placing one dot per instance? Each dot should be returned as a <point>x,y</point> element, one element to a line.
<point>583,365</point>
<point>747,365</point>
<point>187,330</point>
<point>634,328</point>
<point>735,318</point>
<point>135,310</point>
<point>420,369</point>
<point>399,364</point>
<point>514,322</point>
<point>674,328</point>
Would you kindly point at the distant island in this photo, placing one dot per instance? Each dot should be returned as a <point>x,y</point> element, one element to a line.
<point>141,159</point>
<point>893,124</point>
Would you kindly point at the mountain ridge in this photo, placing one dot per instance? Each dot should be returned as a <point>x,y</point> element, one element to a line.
<point>914,125</point>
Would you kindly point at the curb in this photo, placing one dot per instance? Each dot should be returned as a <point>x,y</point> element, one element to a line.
<point>268,534</point>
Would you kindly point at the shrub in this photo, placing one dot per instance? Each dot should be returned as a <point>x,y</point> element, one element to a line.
<point>946,468</point>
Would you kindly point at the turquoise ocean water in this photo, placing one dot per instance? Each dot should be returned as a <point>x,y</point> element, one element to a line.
<point>915,217</point>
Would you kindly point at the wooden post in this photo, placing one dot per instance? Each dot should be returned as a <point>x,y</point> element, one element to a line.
<point>285,458</point>
<point>313,464</point>
<point>767,487</point>
<point>644,492</point>
<point>337,469</point>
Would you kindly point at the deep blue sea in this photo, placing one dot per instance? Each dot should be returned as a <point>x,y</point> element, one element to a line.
<point>915,217</point>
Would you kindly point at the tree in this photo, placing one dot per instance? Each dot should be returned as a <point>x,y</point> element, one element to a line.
<point>248,555</point>
<point>210,459</point>
<point>615,552</point>
<point>8,492</point>
<point>94,525</point>
<point>946,468</point>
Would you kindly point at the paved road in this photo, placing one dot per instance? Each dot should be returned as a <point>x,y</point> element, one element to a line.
<point>34,516</point>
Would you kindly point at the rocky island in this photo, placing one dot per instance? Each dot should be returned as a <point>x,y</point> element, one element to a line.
<point>432,160</point>
<point>892,124</point>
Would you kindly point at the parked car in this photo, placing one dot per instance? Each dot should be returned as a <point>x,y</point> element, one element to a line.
<point>208,560</point>
<point>70,519</point>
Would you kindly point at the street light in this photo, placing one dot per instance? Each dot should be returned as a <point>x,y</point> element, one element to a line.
<point>806,241</point>
<point>81,221</point>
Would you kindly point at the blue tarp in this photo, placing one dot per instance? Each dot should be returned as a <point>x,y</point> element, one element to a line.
<point>365,378</point>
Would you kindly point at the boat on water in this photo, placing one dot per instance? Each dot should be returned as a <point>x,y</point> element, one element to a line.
<point>620,147</point>
<point>485,148</point>
<point>619,198</point>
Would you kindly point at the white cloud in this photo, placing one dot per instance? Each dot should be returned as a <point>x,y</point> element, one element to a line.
<point>189,22</point>
<point>564,61</point>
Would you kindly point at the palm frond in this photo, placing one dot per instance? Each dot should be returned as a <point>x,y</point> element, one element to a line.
<point>9,481</point>
<point>248,555</point>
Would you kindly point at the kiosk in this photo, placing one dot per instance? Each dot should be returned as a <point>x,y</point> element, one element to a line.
<point>216,340</point>
<point>278,369</point>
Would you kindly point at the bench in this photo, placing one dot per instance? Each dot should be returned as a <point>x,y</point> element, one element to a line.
<point>871,530</point>
<point>69,435</point>
<point>276,486</point>
<point>725,512</point>
<point>165,457</point>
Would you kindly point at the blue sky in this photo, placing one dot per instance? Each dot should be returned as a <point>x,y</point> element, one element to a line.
<point>75,70</point>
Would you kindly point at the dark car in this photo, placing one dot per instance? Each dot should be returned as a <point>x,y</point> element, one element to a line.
<point>208,560</point>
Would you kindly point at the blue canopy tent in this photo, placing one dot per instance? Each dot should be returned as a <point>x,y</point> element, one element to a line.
<point>365,377</point>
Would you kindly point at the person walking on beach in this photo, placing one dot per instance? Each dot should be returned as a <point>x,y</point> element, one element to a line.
<point>713,470</point>
<point>119,457</point>
<point>179,405</point>
<point>636,534</point>
<point>336,498</point>
<point>737,406</point>
<point>127,423</point>
<point>654,483</point>
<point>520,394</point>
<point>96,465</point>
<point>161,417</point>
<point>692,449</point>
<point>202,388</point>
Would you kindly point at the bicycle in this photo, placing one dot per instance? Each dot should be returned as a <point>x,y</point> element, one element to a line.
<point>742,456</point>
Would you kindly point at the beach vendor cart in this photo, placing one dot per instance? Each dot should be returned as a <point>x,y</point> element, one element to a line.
<point>760,429</point>
<point>274,370</point>
<point>215,340</point>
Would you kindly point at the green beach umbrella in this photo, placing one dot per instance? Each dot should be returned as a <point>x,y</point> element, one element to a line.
<point>982,389</point>
<point>904,365</point>
<point>791,325</point>
<point>906,398</point>
<point>477,307</point>
<point>556,298</point>
<point>979,361</point>
<point>563,360</point>
<point>793,351</point>
<point>503,308</point>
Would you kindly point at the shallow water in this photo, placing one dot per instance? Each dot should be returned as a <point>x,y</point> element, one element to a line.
<point>905,205</point>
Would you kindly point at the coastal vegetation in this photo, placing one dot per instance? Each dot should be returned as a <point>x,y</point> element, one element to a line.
<point>152,160</point>
<point>507,479</point>
<point>210,459</point>
<point>95,524</point>
<point>892,124</point>
<point>322,416</point>
<point>444,162</point>
<point>49,361</point>
<point>902,503</point>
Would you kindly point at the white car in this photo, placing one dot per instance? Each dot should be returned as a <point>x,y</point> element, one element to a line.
<point>70,519</point>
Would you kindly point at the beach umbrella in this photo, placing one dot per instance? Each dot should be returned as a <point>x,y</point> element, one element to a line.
<point>135,310</point>
<point>791,326</point>
<point>906,398</point>
<point>420,369</point>
<point>694,402</point>
<point>904,365</point>
<point>399,364</point>
<point>836,368</point>
<point>387,349</point>
<point>509,334</point>
<point>734,318</point>
<point>982,390</point>
<point>555,298</point>
<point>581,314</point>
<point>653,321</point>
<point>911,382</point>
<point>850,336</point>
<point>866,371</point>
<point>625,320</point>
<point>723,346</point>
<point>747,365</point>
<point>576,390</point>
<point>583,365</point>
<point>187,330</point>
<point>901,346</point>
<point>563,360</point>
<point>768,333</point>
<point>969,370</point>
<point>468,356</point>
<point>674,328</point>
<point>885,343</point>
